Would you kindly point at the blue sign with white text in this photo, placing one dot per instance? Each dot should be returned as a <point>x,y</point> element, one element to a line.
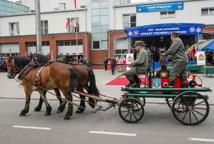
<point>165,29</point>
<point>169,6</point>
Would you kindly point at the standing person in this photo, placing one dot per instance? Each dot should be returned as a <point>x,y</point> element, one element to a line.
<point>155,54</point>
<point>179,58</point>
<point>149,58</point>
<point>113,65</point>
<point>139,66</point>
<point>84,61</point>
<point>105,62</point>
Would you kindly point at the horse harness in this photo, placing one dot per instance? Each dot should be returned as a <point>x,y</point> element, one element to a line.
<point>37,80</point>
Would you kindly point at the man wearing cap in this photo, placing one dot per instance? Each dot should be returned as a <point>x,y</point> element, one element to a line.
<point>139,66</point>
<point>179,58</point>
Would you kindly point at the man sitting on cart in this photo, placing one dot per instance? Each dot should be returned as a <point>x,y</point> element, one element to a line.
<point>179,58</point>
<point>139,66</point>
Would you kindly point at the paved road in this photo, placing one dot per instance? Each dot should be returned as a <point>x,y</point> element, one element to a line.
<point>158,125</point>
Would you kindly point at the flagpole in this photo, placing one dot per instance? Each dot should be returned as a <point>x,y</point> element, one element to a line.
<point>38,28</point>
<point>76,39</point>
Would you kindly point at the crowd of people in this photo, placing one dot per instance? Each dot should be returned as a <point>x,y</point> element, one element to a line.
<point>73,59</point>
<point>4,60</point>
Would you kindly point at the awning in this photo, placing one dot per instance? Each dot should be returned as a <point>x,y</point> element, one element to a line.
<point>165,29</point>
<point>209,47</point>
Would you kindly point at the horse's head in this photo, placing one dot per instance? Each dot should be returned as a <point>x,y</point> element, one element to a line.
<point>15,65</point>
<point>12,69</point>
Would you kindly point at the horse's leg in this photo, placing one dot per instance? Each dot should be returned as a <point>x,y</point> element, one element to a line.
<point>69,98</point>
<point>91,101</point>
<point>62,103</point>
<point>92,88</point>
<point>39,106</point>
<point>48,107</point>
<point>81,108</point>
<point>28,92</point>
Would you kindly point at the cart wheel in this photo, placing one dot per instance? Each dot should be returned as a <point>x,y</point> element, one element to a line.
<point>190,108</point>
<point>142,100</point>
<point>169,102</point>
<point>131,110</point>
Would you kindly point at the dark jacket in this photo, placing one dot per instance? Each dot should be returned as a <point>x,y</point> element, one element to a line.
<point>177,51</point>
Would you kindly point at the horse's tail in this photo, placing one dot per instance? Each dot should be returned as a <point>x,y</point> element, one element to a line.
<point>73,79</point>
<point>92,89</point>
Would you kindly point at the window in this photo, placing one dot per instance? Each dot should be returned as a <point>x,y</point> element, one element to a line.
<point>207,11</point>
<point>96,44</point>
<point>129,20</point>
<point>204,11</point>
<point>100,23</point>
<point>72,25</point>
<point>14,28</point>
<point>70,42</point>
<point>133,20</point>
<point>122,2</point>
<point>167,14</point>
<point>46,43</point>
<point>44,25</point>
<point>207,36</point>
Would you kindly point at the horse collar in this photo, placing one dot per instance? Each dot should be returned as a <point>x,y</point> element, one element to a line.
<point>38,79</point>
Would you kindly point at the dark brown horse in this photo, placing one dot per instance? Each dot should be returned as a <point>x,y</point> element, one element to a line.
<point>54,75</point>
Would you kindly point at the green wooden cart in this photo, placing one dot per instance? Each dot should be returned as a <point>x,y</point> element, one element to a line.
<point>188,105</point>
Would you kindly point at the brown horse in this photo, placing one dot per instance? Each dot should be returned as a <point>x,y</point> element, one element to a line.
<point>86,81</point>
<point>54,75</point>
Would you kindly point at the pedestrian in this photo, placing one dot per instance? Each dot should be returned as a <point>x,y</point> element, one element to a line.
<point>105,62</point>
<point>84,61</point>
<point>113,65</point>
<point>179,58</point>
<point>149,58</point>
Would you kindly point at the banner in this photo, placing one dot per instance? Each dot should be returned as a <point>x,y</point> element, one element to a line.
<point>168,6</point>
<point>164,29</point>
<point>129,60</point>
<point>201,58</point>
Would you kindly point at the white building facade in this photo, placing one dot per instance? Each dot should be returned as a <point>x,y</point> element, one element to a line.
<point>95,28</point>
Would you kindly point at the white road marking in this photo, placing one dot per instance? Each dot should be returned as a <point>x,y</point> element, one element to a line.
<point>30,127</point>
<point>112,133</point>
<point>201,139</point>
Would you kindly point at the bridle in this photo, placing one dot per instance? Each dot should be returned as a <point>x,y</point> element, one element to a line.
<point>11,66</point>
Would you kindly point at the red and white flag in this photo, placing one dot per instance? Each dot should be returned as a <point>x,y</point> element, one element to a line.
<point>75,3</point>
<point>75,23</point>
<point>68,23</point>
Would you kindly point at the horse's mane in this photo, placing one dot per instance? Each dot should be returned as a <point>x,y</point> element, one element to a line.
<point>21,61</point>
<point>41,59</point>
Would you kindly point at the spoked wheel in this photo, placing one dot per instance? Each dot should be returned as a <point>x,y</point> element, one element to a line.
<point>142,100</point>
<point>169,102</point>
<point>131,110</point>
<point>190,108</point>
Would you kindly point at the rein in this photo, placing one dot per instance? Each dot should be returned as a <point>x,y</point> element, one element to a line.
<point>23,72</point>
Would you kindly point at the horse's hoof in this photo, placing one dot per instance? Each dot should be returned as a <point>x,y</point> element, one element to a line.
<point>22,113</point>
<point>47,114</point>
<point>60,109</point>
<point>48,111</point>
<point>92,105</point>
<point>80,110</point>
<point>37,109</point>
<point>67,117</point>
